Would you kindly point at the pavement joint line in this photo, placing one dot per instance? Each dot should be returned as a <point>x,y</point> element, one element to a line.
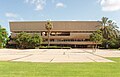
<point>96,55</point>
<point>21,57</point>
<point>44,51</point>
<point>51,60</point>
<point>91,59</point>
<point>93,54</point>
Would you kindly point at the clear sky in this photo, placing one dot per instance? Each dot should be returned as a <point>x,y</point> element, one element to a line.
<point>58,10</point>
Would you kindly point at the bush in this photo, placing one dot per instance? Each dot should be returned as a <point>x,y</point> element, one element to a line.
<point>119,48</point>
<point>112,44</point>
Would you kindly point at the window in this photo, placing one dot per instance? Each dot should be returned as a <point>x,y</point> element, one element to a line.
<point>60,34</point>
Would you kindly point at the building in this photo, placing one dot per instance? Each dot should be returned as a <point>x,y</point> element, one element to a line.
<point>63,33</point>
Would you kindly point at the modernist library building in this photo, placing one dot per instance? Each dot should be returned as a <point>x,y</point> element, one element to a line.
<point>64,33</point>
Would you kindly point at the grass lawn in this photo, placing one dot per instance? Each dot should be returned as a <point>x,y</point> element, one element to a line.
<point>22,69</point>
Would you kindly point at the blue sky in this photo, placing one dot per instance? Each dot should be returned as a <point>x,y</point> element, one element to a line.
<point>58,10</point>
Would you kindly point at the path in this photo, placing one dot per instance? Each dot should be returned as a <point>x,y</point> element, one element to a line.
<point>56,55</point>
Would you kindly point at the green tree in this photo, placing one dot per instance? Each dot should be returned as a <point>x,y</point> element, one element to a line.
<point>35,40</point>
<point>25,40</point>
<point>97,38</point>
<point>109,31</point>
<point>3,37</point>
<point>113,43</point>
<point>113,29</point>
<point>104,21</point>
<point>119,41</point>
<point>22,40</point>
<point>48,27</point>
<point>104,28</point>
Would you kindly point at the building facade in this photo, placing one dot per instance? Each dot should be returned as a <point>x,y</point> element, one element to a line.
<point>64,33</point>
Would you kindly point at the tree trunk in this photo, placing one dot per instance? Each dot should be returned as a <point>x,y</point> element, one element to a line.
<point>95,47</point>
<point>48,38</point>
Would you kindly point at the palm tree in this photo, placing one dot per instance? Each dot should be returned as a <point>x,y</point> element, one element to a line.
<point>104,21</point>
<point>48,27</point>
<point>109,29</point>
<point>113,29</point>
<point>104,24</point>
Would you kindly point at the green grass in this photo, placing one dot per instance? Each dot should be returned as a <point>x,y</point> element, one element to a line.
<point>22,69</point>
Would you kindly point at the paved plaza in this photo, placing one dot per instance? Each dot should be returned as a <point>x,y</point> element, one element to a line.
<point>57,55</point>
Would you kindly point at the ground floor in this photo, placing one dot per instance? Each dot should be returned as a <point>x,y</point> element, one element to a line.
<point>62,41</point>
<point>63,44</point>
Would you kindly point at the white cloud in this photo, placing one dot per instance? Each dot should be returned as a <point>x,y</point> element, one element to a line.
<point>15,19</point>
<point>11,15</point>
<point>39,7</point>
<point>110,5</point>
<point>39,4</point>
<point>60,5</point>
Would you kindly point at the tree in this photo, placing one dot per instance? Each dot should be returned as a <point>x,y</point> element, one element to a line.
<point>3,37</point>
<point>104,21</point>
<point>22,40</point>
<point>97,38</point>
<point>35,40</point>
<point>104,24</point>
<point>109,31</point>
<point>119,41</point>
<point>109,28</point>
<point>113,29</point>
<point>113,43</point>
<point>48,27</point>
<point>25,40</point>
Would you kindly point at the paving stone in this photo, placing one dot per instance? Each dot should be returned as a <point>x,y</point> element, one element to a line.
<point>56,55</point>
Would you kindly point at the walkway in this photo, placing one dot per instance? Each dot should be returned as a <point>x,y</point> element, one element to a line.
<point>57,55</point>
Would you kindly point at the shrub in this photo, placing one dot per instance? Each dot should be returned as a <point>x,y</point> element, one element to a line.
<point>119,48</point>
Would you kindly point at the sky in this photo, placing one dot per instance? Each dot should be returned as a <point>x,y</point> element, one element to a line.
<point>58,10</point>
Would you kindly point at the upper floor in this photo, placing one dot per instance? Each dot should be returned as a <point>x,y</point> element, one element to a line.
<point>64,26</point>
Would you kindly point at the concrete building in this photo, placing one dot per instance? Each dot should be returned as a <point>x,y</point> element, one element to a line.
<point>63,33</point>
